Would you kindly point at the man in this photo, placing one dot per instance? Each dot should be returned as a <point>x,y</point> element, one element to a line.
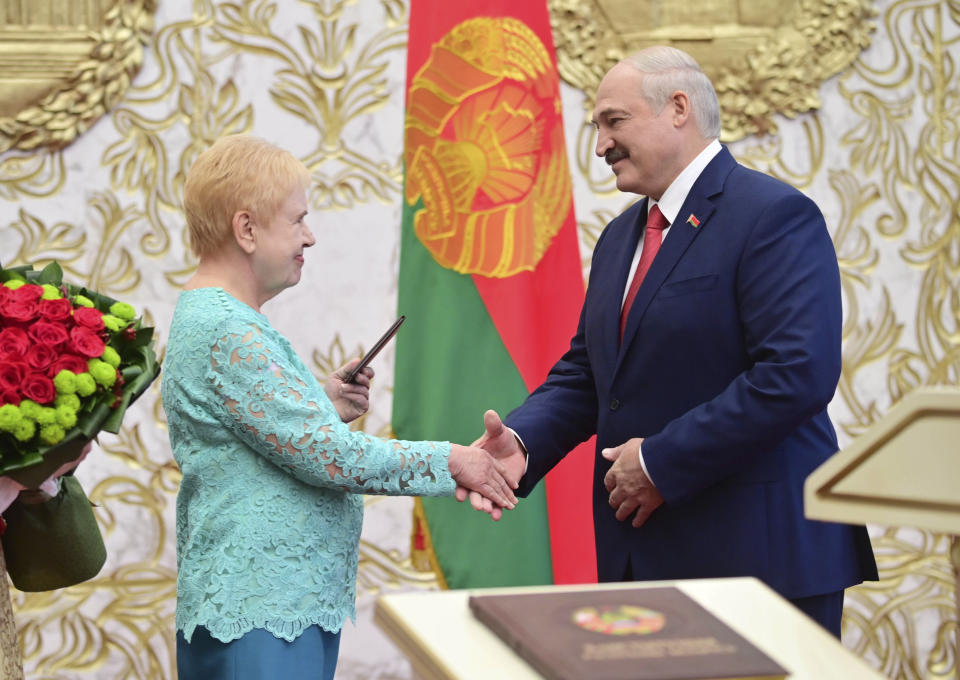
<point>711,410</point>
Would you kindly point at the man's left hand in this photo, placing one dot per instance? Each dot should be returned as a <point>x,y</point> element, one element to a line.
<point>630,488</point>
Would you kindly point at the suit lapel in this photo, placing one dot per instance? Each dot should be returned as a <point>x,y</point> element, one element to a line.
<point>700,205</point>
<point>612,276</point>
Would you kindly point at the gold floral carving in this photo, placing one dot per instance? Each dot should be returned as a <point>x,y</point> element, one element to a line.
<point>765,57</point>
<point>484,149</point>
<point>892,187</point>
<point>330,81</point>
<point>84,69</point>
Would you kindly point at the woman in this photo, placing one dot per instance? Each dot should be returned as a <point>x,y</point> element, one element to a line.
<point>270,508</point>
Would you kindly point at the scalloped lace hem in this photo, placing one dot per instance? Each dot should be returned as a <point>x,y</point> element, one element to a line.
<point>284,629</point>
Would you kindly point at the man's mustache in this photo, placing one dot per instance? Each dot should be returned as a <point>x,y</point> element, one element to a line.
<point>614,155</point>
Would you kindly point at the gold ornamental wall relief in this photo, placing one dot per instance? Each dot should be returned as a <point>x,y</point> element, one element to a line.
<point>64,64</point>
<point>494,195</point>
<point>765,57</point>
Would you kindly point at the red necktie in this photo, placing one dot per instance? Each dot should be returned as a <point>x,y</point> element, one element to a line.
<point>652,237</point>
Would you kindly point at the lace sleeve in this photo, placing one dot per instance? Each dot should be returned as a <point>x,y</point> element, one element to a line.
<point>291,422</point>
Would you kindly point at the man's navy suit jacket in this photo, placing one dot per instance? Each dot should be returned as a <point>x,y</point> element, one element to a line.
<point>730,356</point>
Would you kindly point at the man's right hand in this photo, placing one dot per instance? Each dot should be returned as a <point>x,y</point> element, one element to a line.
<point>475,469</point>
<point>501,443</point>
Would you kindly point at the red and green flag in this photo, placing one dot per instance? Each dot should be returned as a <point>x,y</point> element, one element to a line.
<point>490,277</point>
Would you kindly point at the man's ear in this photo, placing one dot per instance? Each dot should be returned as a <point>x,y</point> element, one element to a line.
<point>680,107</point>
<point>243,228</point>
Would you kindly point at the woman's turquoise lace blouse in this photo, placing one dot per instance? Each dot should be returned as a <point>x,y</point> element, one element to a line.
<point>270,507</point>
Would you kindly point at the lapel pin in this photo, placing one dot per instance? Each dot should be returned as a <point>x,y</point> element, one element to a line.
<point>693,221</point>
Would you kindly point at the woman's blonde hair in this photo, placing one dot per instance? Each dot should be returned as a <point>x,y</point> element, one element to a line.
<point>239,172</point>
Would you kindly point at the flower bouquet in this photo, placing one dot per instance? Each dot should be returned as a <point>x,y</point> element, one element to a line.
<point>71,362</point>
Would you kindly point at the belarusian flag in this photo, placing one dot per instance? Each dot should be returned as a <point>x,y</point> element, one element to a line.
<point>490,277</point>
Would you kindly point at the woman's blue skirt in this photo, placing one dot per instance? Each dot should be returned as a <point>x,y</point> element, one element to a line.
<point>258,655</point>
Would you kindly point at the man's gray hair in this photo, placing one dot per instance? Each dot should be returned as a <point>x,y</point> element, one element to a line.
<point>665,70</point>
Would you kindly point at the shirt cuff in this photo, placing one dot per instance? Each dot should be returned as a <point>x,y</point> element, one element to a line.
<point>644,465</point>
<point>526,456</point>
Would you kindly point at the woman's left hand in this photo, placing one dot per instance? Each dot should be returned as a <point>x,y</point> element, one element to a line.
<point>350,399</point>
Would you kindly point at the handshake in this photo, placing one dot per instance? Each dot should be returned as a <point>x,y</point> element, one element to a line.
<point>490,469</point>
<point>487,471</point>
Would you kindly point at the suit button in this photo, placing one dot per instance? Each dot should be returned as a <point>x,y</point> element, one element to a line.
<point>614,404</point>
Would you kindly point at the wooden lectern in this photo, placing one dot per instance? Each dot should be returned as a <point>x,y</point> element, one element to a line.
<point>903,471</point>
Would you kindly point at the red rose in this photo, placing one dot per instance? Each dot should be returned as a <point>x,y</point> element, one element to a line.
<point>9,397</point>
<point>38,387</point>
<point>89,317</point>
<point>12,374</point>
<point>28,293</point>
<point>39,357</point>
<point>48,334</point>
<point>14,342</point>
<point>55,310</point>
<point>86,343</point>
<point>18,311</point>
<point>68,362</point>
<point>5,293</point>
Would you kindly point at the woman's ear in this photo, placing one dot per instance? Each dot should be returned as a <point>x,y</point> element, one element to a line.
<point>243,227</point>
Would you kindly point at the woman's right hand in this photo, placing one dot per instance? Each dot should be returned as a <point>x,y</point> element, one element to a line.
<point>476,470</point>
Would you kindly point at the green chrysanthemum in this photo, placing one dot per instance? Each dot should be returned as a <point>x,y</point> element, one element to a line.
<point>113,323</point>
<point>86,385</point>
<point>52,434</point>
<point>66,382</point>
<point>13,284</point>
<point>50,292</point>
<point>24,430</point>
<point>111,356</point>
<point>29,409</point>
<point>82,301</point>
<point>9,417</point>
<point>66,416</point>
<point>102,372</point>
<point>46,416</point>
<point>123,310</point>
<point>71,401</point>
